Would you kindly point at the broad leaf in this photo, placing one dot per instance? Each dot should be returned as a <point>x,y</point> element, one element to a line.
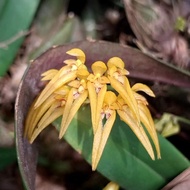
<point>124,160</point>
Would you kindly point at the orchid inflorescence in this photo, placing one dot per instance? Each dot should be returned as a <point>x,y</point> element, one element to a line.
<point>73,85</point>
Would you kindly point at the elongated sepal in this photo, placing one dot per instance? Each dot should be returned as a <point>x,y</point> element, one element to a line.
<point>144,88</point>
<point>146,119</point>
<point>53,85</point>
<point>93,102</point>
<point>48,75</point>
<point>100,100</point>
<point>66,112</point>
<point>42,125</point>
<point>71,108</point>
<point>127,94</point>
<point>100,139</point>
<point>28,124</point>
<point>111,186</point>
<point>127,117</point>
<point>37,113</point>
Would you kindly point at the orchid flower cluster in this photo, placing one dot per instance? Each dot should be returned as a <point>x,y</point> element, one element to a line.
<point>73,85</point>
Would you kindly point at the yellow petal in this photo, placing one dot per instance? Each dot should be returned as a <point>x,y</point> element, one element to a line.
<point>48,75</point>
<point>111,186</point>
<point>112,70</point>
<point>100,139</point>
<point>123,72</point>
<point>96,144</point>
<point>100,100</point>
<point>49,72</point>
<point>46,115</point>
<point>74,83</point>
<point>140,98</point>
<point>64,70</point>
<point>75,107</point>
<point>78,53</point>
<point>63,91</point>
<point>146,119</point>
<point>126,93</point>
<point>66,112</point>
<point>39,112</point>
<point>69,61</point>
<point>144,88</point>
<point>138,131</point>
<point>110,98</point>
<point>29,117</point>
<point>117,62</point>
<point>131,97</point>
<point>82,73</point>
<point>103,80</point>
<point>52,117</point>
<point>93,102</point>
<point>99,68</point>
<point>53,86</point>
<point>91,78</point>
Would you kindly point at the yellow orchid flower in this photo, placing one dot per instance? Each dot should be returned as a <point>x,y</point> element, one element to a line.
<point>76,97</point>
<point>53,113</point>
<point>40,117</point>
<point>73,85</point>
<point>42,105</point>
<point>126,115</point>
<point>64,75</point>
<point>145,115</point>
<point>103,130</point>
<point>116,74</point>
<point>97,87</point>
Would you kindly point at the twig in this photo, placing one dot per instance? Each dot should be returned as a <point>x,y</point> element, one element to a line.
<point>6,43</point>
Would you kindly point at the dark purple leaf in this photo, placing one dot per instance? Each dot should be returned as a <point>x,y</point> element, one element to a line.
<point>140,66</point>
<point>181,182</point>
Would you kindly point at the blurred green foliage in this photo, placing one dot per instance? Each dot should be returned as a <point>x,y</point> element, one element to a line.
<point>15,19</point>
<point>7,157</point>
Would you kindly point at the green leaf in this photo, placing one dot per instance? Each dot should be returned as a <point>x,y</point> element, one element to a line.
<point>15,18</point>
<point>51,17</point>
<point>124,159</point>
<point>61,36</point>
<point>2,6</point>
